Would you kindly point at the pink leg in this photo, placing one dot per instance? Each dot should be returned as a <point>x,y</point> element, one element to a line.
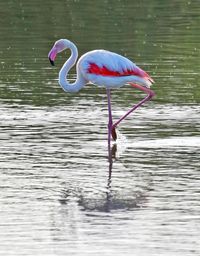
<point>110,122</point>
<point>111,151</point>
<point>150,94</point>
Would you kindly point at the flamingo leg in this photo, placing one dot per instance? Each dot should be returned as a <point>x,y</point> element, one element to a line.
<point>110,121</point>
<point>150,94</point>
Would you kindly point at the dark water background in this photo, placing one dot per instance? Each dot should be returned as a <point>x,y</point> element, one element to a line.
<point>56,197</point>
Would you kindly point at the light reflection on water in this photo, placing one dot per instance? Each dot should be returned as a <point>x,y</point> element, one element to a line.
<point>56,191</point>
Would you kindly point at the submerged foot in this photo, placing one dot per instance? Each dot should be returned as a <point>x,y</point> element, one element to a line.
<point>113,151</point>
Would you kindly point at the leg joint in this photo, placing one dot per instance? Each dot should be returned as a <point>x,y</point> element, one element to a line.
<point>151,94</point>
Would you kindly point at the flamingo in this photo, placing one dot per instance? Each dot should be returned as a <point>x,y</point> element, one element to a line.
<point>102,68</point>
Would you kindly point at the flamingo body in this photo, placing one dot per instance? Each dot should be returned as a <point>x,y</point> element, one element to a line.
<point>105,68</point>
<point>100,67</point>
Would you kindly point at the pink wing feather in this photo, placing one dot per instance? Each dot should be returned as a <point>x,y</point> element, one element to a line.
<point>104,71</point>
<point>105,63</point>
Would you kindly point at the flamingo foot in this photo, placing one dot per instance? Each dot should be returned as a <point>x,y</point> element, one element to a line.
<point>114,134</point>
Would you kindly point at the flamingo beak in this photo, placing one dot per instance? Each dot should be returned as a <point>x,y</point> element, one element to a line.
<point>52,62</point>
<point>52,55</point>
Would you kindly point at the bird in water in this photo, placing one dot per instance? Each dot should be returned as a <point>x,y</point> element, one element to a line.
<point>102,68</point>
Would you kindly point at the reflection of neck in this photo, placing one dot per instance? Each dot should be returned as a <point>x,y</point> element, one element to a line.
<point>80,81</point>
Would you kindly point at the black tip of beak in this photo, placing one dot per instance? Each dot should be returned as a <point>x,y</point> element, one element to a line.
<point>52,62</point>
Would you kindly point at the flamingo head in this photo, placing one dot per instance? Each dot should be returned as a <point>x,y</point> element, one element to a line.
<point>59,46</point>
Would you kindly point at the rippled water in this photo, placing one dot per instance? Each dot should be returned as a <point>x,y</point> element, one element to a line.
<point>59,193</point>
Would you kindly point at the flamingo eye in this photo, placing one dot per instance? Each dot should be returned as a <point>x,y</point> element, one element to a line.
<point>60,46</point>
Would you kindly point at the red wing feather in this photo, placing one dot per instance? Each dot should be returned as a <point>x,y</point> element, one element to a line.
<point>104,71</point>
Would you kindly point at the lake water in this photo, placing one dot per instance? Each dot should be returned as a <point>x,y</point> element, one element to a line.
<point>59,193</point>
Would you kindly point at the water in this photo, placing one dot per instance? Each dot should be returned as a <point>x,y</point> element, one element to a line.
<point>59,193</point>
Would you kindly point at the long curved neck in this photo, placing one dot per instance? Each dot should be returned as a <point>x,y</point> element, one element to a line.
<point>80,81</point>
